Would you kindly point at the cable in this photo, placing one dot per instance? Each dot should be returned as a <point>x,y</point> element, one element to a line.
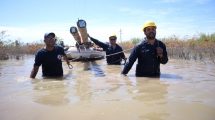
<point>119,52</point>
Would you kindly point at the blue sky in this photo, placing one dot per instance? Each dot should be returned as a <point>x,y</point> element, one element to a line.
<point>28,20</point>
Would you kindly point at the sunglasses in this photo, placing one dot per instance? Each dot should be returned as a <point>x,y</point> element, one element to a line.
<point>50,38</point>
<point>112,39</point>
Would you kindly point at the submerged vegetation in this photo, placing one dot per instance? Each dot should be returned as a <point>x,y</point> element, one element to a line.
<point>196,48</point>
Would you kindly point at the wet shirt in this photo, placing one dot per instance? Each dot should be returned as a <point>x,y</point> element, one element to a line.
<point>50,61</point>
<point>148,63</point>
<point>113,59</point>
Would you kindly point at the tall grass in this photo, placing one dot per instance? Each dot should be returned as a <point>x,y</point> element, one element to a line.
<point>17,51</point>
<point>14,48</point>
<point>199,48</point>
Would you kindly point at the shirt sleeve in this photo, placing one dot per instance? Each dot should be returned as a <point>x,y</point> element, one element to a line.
<point>100,44</point>
<point>38,59</point>
<point>164,59</point>
<point>132,58</point>
<point>62,51</point>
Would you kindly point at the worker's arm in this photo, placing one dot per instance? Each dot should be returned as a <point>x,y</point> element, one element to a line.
<point>34,71</point>
<point>162,54</point>
<point>132,58</point>
<point>66,59</point>
<point>100,44</point>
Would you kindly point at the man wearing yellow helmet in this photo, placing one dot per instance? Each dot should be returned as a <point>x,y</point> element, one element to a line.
<point>114,53</point>
<point>150,53</point>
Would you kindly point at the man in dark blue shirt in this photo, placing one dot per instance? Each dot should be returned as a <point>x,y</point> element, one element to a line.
<point>150,53</point>
<point>50,58</point>
<point>114,53</point>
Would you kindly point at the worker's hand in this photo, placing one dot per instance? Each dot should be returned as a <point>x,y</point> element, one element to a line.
<point>159,51</point>
<point>69,65</point>
<point>123,74</point>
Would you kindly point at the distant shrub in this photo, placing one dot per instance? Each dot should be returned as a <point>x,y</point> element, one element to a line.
<point>198,48</point>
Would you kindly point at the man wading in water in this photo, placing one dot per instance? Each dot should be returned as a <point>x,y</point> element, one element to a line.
<point>150,53</point>
<point>114,53</point>
<point>50,58</point>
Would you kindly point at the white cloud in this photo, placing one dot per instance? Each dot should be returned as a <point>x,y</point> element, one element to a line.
<point>128,31</point>
<point>193,1</point>
<point>147,13</point>
<point>102,31</point>
<point>170,1</point>
<point>201,1</point>
<point>36,32</point>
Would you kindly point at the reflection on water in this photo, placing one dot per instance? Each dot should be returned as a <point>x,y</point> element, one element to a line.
<point>50,92</point>
<point>150,90</point>
<point>94,67</point>
<point>94,90</point>
<point>171,76</point>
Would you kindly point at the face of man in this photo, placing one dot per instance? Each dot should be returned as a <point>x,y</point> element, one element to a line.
<point>50,41</point>
<point>150,32</point>
<point>112,40</point>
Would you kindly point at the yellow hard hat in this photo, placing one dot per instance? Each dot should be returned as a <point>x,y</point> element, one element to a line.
<point>149,23</point>
<point>112,35</point>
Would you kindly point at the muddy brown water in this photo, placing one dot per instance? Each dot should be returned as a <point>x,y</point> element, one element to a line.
<point>96,91</point>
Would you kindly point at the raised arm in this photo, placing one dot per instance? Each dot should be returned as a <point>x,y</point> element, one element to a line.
<point>100,44</point>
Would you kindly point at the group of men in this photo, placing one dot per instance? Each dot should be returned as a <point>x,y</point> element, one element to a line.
<point>150,54</point>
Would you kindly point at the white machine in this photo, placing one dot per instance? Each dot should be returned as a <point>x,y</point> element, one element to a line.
<point>83,50</point>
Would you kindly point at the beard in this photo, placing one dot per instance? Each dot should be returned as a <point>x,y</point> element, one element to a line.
<point>151,35</point>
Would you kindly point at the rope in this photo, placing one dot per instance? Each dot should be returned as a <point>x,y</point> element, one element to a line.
<point>119,52</point>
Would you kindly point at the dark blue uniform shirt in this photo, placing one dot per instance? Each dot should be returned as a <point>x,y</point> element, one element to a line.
<point>113,59</point>
<point>148,63</point>
<point>50,61</point>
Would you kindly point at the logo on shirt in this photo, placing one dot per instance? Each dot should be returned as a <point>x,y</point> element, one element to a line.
<point>59,57</point>
<point>145,50</point>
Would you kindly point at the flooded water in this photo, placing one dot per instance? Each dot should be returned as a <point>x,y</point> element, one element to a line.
<point>96,91</point>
